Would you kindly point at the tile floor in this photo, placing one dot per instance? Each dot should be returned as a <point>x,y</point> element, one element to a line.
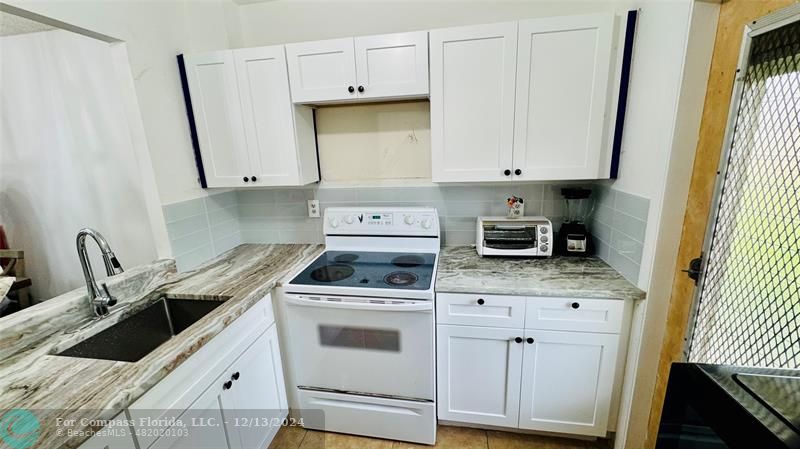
<point>447,438</point>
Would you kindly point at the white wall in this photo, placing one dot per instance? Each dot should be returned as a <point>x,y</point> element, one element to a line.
<point>155,32</point>
<point>375,141</point>
<point>66,158</point>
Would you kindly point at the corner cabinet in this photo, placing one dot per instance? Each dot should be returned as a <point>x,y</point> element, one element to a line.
<point>384,67</point>
<point>523,100</point>
<point>245,129</point>
<point>546,364</point>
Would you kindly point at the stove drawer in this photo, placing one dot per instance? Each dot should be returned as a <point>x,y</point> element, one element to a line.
<point>480,310</point>
<point>581,315</point>
<point>394,419</point>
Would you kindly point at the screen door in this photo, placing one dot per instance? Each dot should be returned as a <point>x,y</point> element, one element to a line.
<point>747,310</point>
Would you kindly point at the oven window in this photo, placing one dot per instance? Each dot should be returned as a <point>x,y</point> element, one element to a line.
<point>359,338</point>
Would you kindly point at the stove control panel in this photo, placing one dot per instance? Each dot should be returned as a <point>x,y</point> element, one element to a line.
<point>373,221</point>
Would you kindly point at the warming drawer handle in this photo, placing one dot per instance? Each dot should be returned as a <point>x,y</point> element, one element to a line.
<point>412,307</point>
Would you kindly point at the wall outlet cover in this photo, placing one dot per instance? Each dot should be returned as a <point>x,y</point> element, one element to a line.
<point>313,208</point>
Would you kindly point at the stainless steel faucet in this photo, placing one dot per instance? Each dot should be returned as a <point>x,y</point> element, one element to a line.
<point>100,300</point>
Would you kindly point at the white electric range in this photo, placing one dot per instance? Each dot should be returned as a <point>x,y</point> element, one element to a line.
<point>360,325</point>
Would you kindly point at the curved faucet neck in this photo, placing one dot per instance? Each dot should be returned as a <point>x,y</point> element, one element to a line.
<point>98,298</point>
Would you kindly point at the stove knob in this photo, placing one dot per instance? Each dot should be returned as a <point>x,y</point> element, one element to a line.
<point>543,248</point>
<point>348,219</point>
<point>426,223</point>
<point>409,219</point>
<point>334,222</point>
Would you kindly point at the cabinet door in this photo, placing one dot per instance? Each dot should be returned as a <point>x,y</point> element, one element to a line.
<point>267,112</point>
<point>472,102</point>
<point>256,399</point>
<point>563,66</point>
<point>392,65</point>
<point>478,374</point>
<point>204,425</point>
<point>117,437</point>
<point>567,379</point>
<point>218,117</point>
<point>322,71</point>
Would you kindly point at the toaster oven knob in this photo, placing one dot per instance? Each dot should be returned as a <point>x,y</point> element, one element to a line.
<point>543,239</point>
<point>543,230</point>
<point>543,248</point>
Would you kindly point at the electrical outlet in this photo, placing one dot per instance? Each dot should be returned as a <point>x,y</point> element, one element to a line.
<point>313,208</point>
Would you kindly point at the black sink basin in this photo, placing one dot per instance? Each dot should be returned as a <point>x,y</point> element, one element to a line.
<point>138,335</point>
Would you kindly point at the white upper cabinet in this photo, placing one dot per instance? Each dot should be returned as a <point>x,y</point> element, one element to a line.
<point>218,117</point>
<point>362,68</point>
<point>522,101</point>
<point>392,65</point>
<point>272,123</point>
<point>322,71</point>
<point>249,133</point>
<point>563,68</point>
<point>472,102</point>
<point>567,381</point>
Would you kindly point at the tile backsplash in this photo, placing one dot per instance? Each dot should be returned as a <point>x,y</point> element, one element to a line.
<point>280,216</point>
<point>618,226</point>
<point>202,228</point>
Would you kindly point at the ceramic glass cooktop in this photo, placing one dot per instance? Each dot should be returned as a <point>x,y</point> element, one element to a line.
<point>365,269</point>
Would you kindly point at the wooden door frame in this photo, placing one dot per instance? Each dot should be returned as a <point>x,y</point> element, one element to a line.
<point>734,15</point>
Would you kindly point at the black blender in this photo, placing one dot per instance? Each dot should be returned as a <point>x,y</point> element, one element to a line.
<point>573,237</point>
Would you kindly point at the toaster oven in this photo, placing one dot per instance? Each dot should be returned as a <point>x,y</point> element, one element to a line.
<point>526,236</point>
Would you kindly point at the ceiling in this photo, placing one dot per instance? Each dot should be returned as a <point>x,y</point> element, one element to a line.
<point>11,24</point>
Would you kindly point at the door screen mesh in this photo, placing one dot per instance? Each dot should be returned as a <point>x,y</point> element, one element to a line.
<point>749,309</point>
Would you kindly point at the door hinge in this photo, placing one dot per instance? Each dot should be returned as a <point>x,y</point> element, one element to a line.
<point>695,267</point>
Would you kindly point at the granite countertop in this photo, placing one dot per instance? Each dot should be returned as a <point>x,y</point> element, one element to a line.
<point>462,270</point>
<point>53,386</point>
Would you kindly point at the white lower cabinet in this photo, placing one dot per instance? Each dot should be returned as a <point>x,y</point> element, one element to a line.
<point>212,433</point>
<point>239,410</point>
<point>567,380</point>
<point>479,371</point>
<point>257,396</point>
<point>558,381</point>
<point>230,394</point>
<point>118,437</point>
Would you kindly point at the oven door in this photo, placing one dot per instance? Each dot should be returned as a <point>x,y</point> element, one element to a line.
<point>370,346</point>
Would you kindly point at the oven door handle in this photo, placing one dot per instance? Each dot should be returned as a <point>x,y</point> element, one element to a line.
<point>410,307</point>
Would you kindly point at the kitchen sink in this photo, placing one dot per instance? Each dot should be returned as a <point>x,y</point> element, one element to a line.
<point>141,333</point>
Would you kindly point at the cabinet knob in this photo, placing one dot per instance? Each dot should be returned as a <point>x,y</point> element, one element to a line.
<point>517,172</point>
<point>246,179</point>
<point>575,305</point>
<point>529,340</point>
<point>227,385</point>
<point>361,88</point>
<point>235,376</point>
<point>481,302</point>
<point>518,339</point>
<point>351,89</point>
<point>507,172</point>
<point>253,178</point>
